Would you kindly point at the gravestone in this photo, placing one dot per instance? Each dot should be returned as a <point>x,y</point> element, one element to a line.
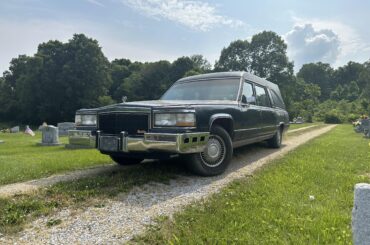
<point>299,120</point>
<point>14,129</point>
<point>361,215</point>
<point>365,123</point>
<point>1,141</point>
<point>50,136</point>
<point>64,127</point>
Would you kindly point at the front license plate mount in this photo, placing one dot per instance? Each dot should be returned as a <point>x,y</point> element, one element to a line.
<point>108,143</point>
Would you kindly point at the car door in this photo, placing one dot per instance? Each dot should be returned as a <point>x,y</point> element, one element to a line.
<point>250,114</point>
<point>268,116</point>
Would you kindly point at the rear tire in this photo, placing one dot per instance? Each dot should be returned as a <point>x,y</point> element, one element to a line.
<point>275,142</point>
<point>121,160</point>
<point>216,156</point>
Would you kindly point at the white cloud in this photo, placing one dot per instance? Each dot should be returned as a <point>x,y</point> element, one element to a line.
<point>194,14</point>
<point>96,2</point>
<point>305,44</point>
<point>351,46</point>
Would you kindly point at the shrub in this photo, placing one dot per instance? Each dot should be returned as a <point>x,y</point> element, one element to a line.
<point>333,117</point>
<point>352,117</point>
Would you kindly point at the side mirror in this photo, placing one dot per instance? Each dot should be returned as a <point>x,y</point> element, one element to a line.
<point>244,99</point>
<point>251,100</point>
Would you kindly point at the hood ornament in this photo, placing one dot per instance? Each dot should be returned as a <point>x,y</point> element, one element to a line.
<point>124,98</point>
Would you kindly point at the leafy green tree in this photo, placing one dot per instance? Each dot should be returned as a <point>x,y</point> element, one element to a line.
<point>179,68</point>
<point>350,72</point>
<point>201,64</point>
<point>148,83</point>
<point>235,57</point>
<point>321,74</point>
<point>56,81</point>
<point>269,58</point>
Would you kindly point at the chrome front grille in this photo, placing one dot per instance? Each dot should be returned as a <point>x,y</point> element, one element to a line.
<point>115,123</point>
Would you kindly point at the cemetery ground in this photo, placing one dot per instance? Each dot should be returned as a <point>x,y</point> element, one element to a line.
<point>21,159</point>
<point>272,205</point>
<point>304,198</point>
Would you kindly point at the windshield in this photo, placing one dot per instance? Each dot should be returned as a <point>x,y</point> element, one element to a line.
<point>215,89</point>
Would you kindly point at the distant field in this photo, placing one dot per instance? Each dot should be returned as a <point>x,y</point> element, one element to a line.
<point>274,206</point>
<point>21,159</point>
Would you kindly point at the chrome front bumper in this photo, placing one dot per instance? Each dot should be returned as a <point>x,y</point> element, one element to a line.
<point>153,142</point>
<point>82,138</point>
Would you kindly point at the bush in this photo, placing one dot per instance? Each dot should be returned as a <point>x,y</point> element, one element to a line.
<point>333,117</point>
<point>352,117</point>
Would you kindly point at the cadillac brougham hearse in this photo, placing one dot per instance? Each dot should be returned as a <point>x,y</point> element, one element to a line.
<point>200,117</point>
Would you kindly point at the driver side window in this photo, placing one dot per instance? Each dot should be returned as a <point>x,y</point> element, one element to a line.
<point>248,94</point>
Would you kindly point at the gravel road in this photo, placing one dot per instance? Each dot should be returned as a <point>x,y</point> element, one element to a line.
<point>122,218</point>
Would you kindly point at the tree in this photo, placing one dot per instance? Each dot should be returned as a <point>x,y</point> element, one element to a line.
<point>180,66</point>
<point>350,72</point>
<point>56,81</point>
<point>235,57</point>
<point>201,64</point>
<point>148,83</point>
<point>269,58</point>
<point>320,74</point>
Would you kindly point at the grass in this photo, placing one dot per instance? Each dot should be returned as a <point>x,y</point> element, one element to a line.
<point>21,159</point>
<point>273,206</point>
<point>87,192</point>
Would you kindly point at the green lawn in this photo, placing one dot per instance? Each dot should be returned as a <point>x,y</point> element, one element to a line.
<point>21,159</point>
<point>273,206</point>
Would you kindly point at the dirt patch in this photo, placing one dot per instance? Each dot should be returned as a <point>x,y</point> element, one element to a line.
<point>119,220</point>
<point>300,129</point>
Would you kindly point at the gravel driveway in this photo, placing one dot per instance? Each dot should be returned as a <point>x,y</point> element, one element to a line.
<point>120,219</point>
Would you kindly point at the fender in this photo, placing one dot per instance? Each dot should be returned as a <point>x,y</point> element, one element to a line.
<point>220,116</point>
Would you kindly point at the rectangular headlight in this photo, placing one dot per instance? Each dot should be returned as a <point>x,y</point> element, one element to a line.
<point>78,119</point>
<point>89,120</point>
<point>174,119</point>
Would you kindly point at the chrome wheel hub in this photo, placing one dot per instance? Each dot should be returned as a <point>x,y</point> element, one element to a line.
<point>215,151</point>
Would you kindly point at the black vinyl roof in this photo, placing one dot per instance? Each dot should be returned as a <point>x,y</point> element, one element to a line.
<point>232,74</point>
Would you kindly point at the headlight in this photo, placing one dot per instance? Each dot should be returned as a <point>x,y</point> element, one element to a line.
<point>85,120</point>
<point>174,119</point>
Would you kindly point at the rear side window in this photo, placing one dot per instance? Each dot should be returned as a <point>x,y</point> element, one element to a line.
<point>277,100</point>
<point>262,97</point>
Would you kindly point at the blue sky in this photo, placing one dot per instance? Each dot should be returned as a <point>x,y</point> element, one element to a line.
<point>148,30</point>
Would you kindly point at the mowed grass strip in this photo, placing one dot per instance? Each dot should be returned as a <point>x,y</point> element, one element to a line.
<point>274,206</point>
<point>86,192</point>
<point>22,159</point>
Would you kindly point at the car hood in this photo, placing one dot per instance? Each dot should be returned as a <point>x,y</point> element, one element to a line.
<point>167,104</point>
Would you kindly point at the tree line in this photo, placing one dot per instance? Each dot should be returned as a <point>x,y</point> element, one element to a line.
<point>63,77</point>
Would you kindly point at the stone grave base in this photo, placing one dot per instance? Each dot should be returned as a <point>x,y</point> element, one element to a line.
<point>2,141</point>
<point>49,144</point>
<point>71,146</point>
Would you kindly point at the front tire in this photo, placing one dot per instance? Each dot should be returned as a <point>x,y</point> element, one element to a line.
<point>122,160</point>
<point>216,156</point>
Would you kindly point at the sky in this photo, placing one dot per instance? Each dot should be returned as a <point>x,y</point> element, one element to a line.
<point>333,32</point>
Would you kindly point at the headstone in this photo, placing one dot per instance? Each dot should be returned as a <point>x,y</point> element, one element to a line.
<point>14,129</point>
<point>44,124</point>
<point>64,127</point>
<point>1,141</point>
<point>50,136</point>
<point>365,123</point>
<point>361,215</point>
<point>299,120</point>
